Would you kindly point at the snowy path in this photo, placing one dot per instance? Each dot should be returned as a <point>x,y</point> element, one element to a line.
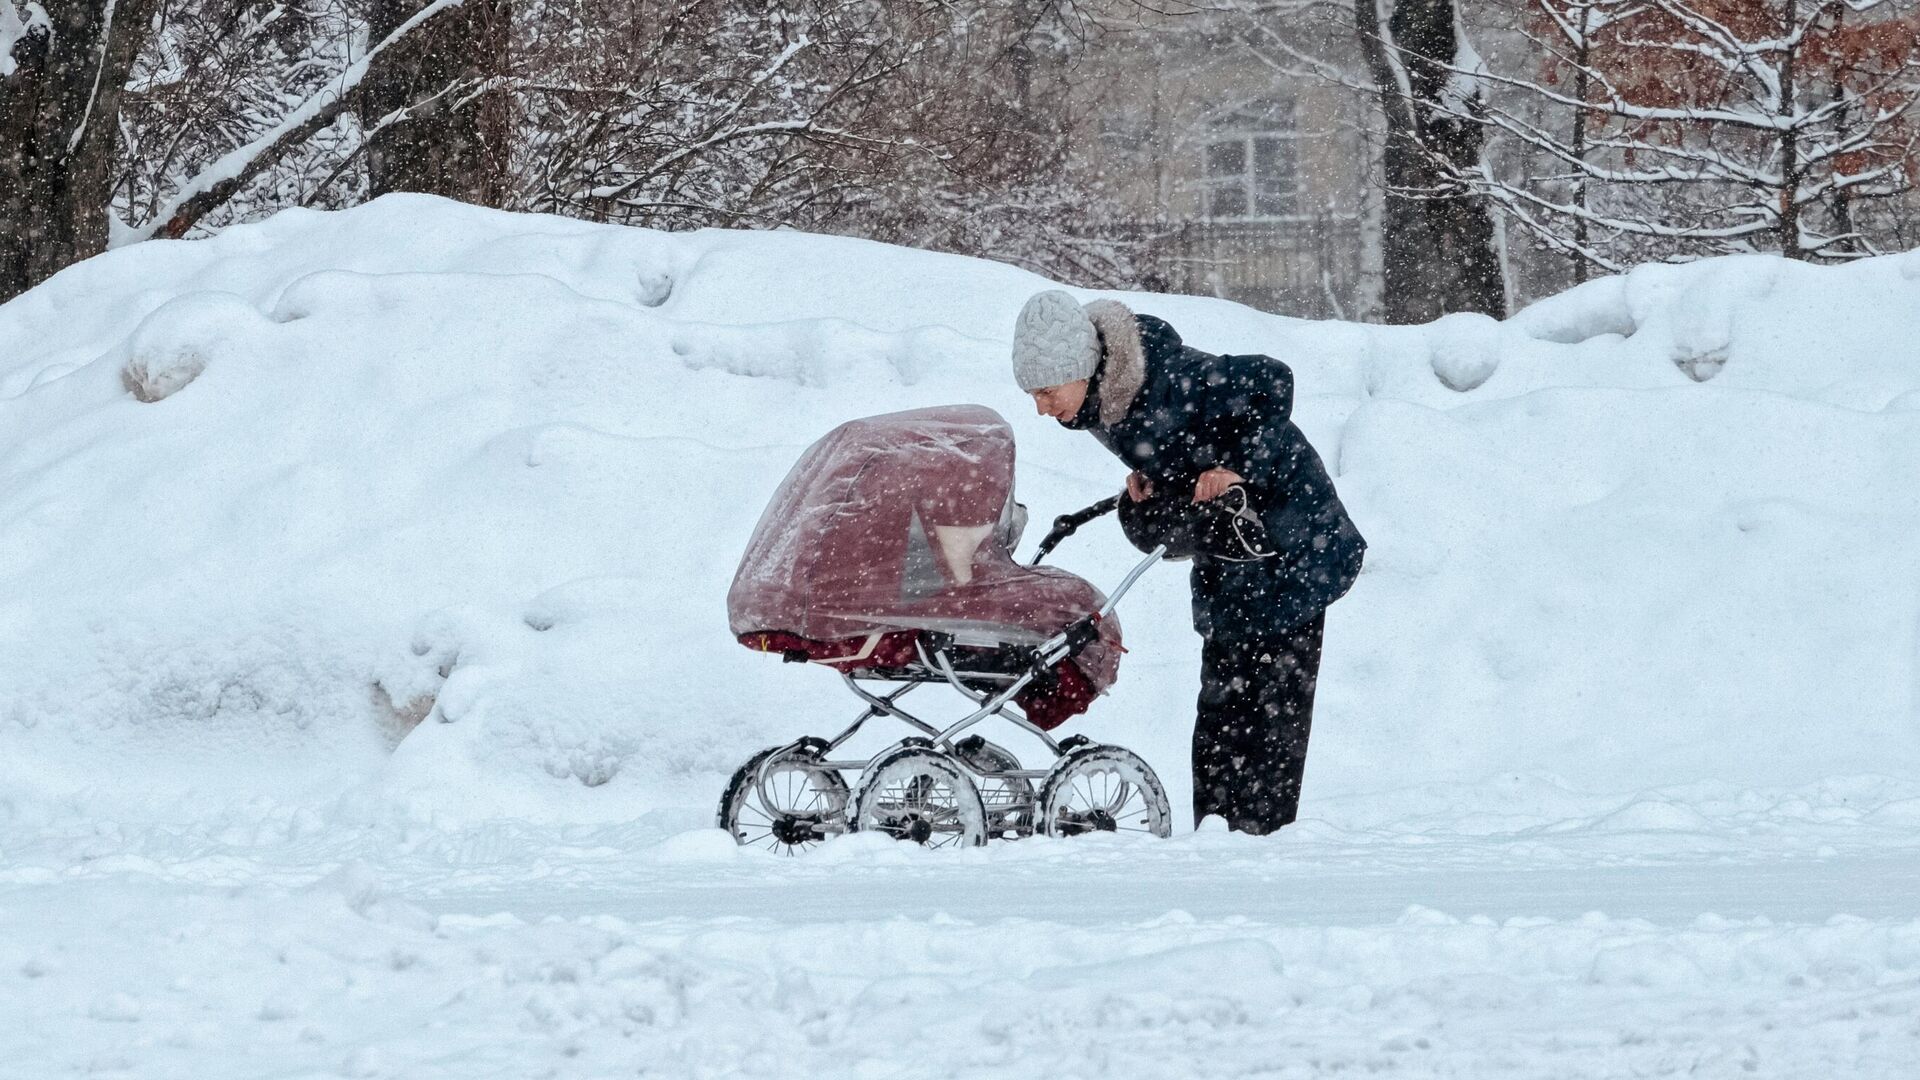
<point>1808,890</point>
<point>517,953</point>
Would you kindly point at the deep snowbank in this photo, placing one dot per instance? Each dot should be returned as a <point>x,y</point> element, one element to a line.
<point>260,494</point>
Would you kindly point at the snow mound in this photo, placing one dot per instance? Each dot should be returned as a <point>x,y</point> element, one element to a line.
<point>425,510</point>
<point>172,346</point>
<point>1466,350</point>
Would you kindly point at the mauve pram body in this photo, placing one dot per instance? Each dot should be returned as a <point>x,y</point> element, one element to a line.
<point>887,555</point>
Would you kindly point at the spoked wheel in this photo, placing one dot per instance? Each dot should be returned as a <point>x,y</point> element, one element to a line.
<point>1103,789</point>
<point>919,794</point>
<point>1008,799</point>
<point>791,805</point>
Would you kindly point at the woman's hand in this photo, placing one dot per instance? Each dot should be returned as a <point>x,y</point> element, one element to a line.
<point>1139,487</point>
<point>1213,484</point>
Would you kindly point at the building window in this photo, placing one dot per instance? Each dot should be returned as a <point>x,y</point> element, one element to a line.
<point>1251,166</point>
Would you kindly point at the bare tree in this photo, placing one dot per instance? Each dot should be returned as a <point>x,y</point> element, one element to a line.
<point>1438,242</point>
<point>439,108</point>
<point>215,75</point>
<point>914,122</point>
<point>1009,89</point>
<point>691,113</point>
<point>166,110</point>
<point>62,70</point>
<point>1681,128</point>
<point>274,137</point>
<point>886,120</point>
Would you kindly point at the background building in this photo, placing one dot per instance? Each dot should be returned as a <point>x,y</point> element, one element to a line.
<point>1238,179</point>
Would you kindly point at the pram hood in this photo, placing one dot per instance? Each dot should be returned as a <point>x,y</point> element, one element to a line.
<point>907,521</point>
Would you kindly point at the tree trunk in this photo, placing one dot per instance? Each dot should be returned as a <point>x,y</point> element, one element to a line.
<point>1042,84</point>
<point>59,131</point>
<point>1438,238</point>
<point>1789,146</point>
<point>453,137</point>
<point>1843,222</point>
<point>1582,86</point>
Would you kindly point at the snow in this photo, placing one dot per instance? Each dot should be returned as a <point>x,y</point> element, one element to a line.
<point>716,962</point>
<point>1637,635</point>
<point>1465,90</point>
<point>1466,350</point>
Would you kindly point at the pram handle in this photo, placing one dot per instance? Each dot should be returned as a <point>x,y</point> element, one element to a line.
<point>1067,524</point>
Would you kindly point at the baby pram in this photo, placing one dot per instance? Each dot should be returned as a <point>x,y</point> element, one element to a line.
<point>887,555</point>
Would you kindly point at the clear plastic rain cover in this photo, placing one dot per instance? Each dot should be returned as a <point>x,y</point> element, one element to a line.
<point>907,522</point>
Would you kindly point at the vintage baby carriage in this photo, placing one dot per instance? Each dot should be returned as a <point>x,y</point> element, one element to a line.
<point>887,556</point>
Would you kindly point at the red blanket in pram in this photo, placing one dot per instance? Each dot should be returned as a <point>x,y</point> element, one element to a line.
<point>901,525</point>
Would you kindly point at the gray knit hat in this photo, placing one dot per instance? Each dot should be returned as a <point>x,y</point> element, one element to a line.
<point>1054,342</point>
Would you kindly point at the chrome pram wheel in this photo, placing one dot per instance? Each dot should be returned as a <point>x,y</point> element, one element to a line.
<point>1009,800</point>
<point>1098,788</point>
<point>920,794</point>
<point>785,801</point>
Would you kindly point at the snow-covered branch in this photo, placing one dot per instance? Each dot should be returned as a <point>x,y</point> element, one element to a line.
<point>212,185</point>
<point>1705,125</point>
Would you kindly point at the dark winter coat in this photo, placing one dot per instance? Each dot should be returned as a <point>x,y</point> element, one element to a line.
<point>1172,412</point>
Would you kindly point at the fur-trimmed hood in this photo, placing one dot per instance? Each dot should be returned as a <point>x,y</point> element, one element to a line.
<point>1123,367</point>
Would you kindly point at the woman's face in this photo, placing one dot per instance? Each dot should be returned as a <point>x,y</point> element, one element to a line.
<point>1061,402</point>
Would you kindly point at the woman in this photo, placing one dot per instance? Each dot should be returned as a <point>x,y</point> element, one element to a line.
<point>1194,425</point>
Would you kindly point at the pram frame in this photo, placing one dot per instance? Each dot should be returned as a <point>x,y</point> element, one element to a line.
<point>938,667</point>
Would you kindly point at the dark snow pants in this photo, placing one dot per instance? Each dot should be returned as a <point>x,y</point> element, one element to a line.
<point>1250,738</point>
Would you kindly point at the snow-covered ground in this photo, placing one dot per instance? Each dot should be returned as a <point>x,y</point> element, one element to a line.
<point>1616,766</point>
